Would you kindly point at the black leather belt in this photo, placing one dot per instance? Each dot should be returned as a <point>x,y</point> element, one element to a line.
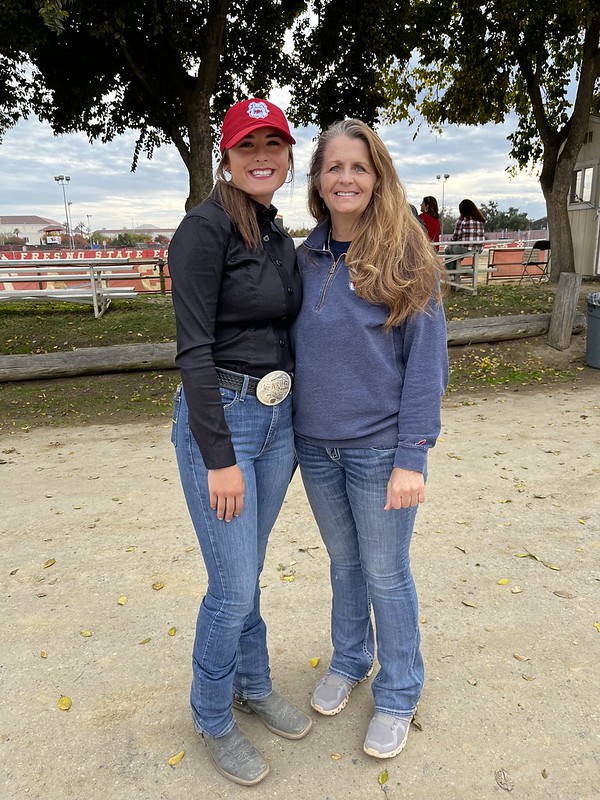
<point>235,381</point>
<point>270,390</point>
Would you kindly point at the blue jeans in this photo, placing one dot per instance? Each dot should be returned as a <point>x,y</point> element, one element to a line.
<point>230,649</point>
<point>370,566</point>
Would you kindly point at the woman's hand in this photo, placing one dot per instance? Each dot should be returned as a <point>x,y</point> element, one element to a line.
<point>405,488</point>
<point>226,488</point>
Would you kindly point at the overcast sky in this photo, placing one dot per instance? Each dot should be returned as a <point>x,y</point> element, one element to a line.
<point>103,187</point>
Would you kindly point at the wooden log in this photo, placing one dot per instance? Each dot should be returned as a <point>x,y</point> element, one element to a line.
<point>564,309</point>
<point>136,357</point>
<point>88,361</point>
<point>497,329</point>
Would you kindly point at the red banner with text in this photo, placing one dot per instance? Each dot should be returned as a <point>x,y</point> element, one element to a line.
<point>150,264</point>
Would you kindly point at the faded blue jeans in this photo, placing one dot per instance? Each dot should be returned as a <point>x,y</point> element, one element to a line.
<point>370,566</point>
<point>230,649</point>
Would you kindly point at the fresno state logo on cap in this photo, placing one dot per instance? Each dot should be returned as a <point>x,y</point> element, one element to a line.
<point>258,110</point>
<point>248,116</point>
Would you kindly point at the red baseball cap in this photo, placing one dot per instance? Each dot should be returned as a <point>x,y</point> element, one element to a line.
<point>247,116</point>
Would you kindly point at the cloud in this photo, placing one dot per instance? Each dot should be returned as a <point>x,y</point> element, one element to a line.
<point>103,186</point>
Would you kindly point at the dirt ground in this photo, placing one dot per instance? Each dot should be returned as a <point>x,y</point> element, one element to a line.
<point>506,557</point>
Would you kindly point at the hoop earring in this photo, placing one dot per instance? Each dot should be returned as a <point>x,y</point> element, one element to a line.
<point>289,179</point>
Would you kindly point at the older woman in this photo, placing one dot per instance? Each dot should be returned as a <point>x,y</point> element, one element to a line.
<point>371,368</point>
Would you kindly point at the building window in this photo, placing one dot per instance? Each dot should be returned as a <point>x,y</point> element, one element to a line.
<point>581,185</point>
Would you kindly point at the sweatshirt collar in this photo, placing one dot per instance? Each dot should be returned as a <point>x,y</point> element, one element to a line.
<point>318,238</point>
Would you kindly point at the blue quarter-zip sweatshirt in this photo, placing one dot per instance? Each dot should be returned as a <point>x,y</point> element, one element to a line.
<point>355,384</point>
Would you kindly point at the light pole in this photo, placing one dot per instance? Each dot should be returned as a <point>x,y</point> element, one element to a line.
<point>89,216</point>
<point>63,180</point>
<point>71,226</point>
<point>443,178</point>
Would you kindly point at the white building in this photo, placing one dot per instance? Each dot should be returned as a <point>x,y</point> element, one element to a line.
<point>142,232</point>
<point>30,228</point>
<point>584,203</point>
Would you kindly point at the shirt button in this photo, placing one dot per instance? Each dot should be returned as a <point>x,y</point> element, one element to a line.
<point>290,290</point>
<point>266,238</point>
<point>278,262</point>
<point>282,342</point>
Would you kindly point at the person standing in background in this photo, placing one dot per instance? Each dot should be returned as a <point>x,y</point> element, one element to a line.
<point>431,217</point>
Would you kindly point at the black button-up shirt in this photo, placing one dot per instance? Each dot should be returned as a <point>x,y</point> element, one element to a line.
<point>233,309</point>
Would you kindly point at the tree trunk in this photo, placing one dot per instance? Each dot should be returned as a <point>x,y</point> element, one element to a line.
<point>198,110</point>
<point>561,239</point>
<point>564,311</point>
<point>200,154</point>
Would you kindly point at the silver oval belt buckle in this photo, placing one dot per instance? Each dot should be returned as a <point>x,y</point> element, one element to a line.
<point>274,387</point>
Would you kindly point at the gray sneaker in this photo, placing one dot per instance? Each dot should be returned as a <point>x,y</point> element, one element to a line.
<point>386,735</point>
<point>331,694</point>
<point>236,758</point>
<point>278,714</point>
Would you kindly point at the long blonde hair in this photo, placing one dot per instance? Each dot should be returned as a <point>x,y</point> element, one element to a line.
<point>238,205</point>
<point>390,258</point>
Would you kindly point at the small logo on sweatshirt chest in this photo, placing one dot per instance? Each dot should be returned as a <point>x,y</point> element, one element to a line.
<point>352,285</point>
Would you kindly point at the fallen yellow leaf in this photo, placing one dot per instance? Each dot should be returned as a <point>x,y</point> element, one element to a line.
<point>122,600</point>
<point>521,658</point>
<point>502,582</point>
<point>382,777</point>
<point>174,760</point>
<point>335,756</point>
<point>551,566</point>
<point>43,654</point>
<point>158,586</point>
<point>528,677</point>
<point>64,703</point>
<point>172,631</point>
<point>49,563</point>
<point>469,603</point>
<point>144,641</point>
<point>314,662</point>
<point>597,626</point>
<point>581,521</point>
<point>288,578</point>
<point>86,634</point>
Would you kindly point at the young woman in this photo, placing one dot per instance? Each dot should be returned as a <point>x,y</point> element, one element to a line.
<point>236,291</point>
<point>371,367</point>
<point>469,228</point>
<point>431,218</point>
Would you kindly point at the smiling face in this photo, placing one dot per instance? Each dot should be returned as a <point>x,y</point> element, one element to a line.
<point>346,181</point>
<point>259,164</point>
